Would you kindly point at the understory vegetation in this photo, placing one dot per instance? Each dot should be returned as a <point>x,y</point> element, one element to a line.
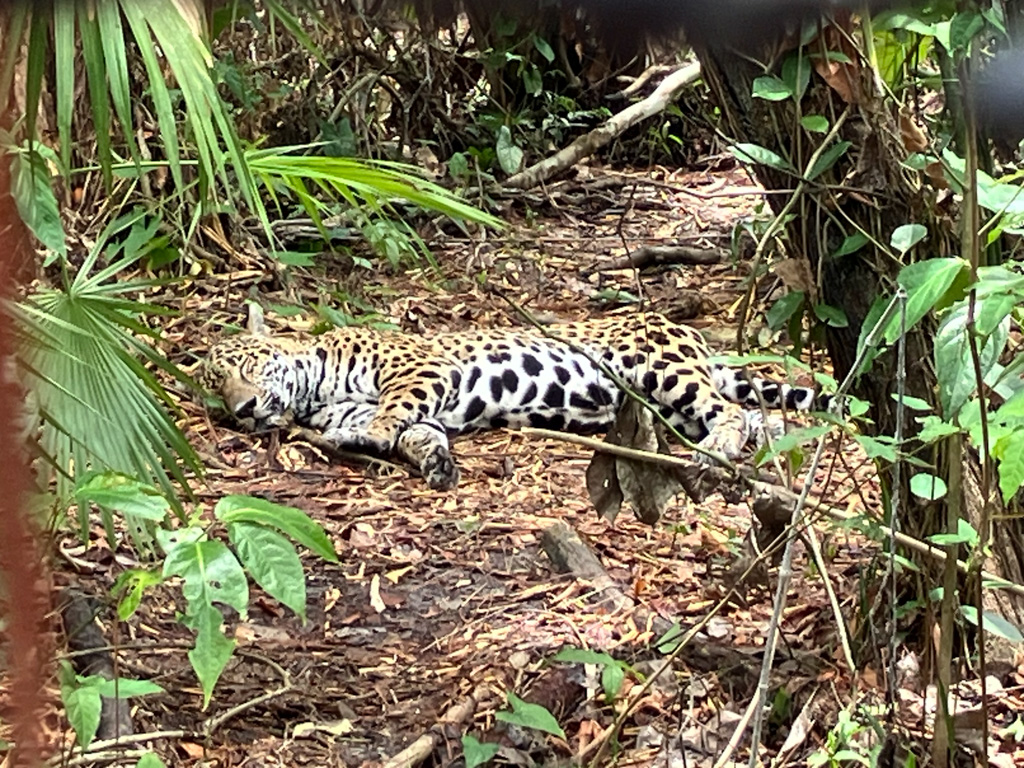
<point>172,161</point>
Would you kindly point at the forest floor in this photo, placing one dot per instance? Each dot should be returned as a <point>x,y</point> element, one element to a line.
<point>442,596</point>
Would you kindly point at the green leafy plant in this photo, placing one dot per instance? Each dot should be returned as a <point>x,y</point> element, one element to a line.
<point>260,535</point>
<point>530,716</point>
<point>843,745</point>
<point>613,671</point>
<point>83,698</point>
<point>478,753</point>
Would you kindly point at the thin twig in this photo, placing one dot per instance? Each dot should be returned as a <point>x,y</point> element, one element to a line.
<point>213,723</point>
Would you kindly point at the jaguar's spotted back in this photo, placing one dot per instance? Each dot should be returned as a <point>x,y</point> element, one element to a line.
<point>386,391</point>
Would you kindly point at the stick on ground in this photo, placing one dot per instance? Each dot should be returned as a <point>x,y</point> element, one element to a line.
<point>666,93</point>
<point>425,745</point>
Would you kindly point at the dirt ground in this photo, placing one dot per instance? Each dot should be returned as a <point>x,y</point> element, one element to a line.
<point>440,596</point>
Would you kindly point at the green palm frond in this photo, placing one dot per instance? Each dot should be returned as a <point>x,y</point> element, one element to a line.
<point>83,357</point>
<point>168,35</point>
<point>370,184</point>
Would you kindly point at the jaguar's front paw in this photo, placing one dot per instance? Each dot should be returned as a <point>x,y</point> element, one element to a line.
<point>440,471</point>
<point>726,442</point>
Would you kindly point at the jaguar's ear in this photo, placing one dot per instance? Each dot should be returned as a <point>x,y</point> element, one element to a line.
<point>256,324</point>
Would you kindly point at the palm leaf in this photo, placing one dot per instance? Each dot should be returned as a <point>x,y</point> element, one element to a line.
<point>373,183</point>
<point>83,356</point>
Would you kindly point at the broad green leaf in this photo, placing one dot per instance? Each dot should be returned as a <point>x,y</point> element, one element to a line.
<point>476,753</point>
<point>814,123</point>
<point>832,316</point>
<point>292,522</point>
<point>169,540</point>
<point>530,716</point>
<point>1010,451</point>
<point>212,651</point>
<point>458,166</point>
<point>126,689</point>
<point>913,403</point>
<point>272,561</point>
<point>927,486</point>
<point>583,656</point>
<point>795,438</point>
<point>990,311</point>
<point>901,20</point>
<point>124,494</point>
<point>295,258</point>
<point>533,81</point>
<point>907,236</point>
<point>827,159</point>
<point>212,574</point>
<point>856,407</point>
<point>82,705</point>
<point>753,153</point>
<point>954,362</point>
<point>510,157</point>
<point>670,640</point>
<point>877,449</point>
<point>287,310</point>
<point>965,534</point>
<point>544,48</point>
<point>927,284</point>
<point>150,760</point>
<point>994,623</point>
<point>771,88</point>
<point>851,244</point>
<point>796,72</point>
<point>37,205</point>
<point>934,428</point>
<point>783,309</point>
<point>611,681</point>
<point>842,756</point>
<point>963,28</point>
<point>134,584</point>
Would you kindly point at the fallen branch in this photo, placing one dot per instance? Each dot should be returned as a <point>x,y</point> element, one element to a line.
<point>662,255</point>
<point>570,554</point>
<point>666,93</point>
<point>425,745</point>
<point>774,494</point>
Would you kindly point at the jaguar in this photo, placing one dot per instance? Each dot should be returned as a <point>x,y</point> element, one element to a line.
<point>394,393</point>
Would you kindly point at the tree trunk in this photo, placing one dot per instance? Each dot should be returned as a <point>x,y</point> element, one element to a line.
<point>867,189</point>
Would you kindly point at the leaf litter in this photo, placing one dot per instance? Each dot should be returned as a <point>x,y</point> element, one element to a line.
<point>444,604</point>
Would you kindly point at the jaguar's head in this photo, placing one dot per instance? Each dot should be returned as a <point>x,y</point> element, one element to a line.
<point>254,376</point>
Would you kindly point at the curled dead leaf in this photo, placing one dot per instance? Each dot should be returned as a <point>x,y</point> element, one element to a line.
<point>913,137</point>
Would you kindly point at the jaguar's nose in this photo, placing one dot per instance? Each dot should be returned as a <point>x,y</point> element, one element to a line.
<point>246,409</point>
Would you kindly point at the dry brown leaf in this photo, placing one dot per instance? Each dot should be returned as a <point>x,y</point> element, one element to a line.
<point>398,573</point>
<point>193,750</point>
<point>914,139</point>
<point>375,599</point>
<point>796,275</point>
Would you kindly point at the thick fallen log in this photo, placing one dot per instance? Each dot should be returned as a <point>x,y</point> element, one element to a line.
<point>666,93</point>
